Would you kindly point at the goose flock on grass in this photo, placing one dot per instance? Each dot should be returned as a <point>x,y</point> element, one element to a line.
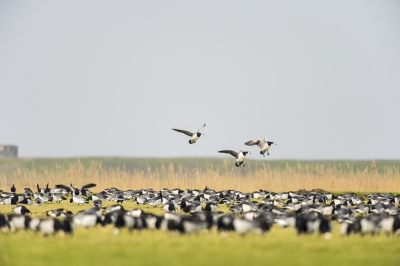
<point>195,210</point>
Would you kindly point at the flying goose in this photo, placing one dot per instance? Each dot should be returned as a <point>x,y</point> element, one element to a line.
<point>195,136</point>
<point>263,144</point>
<point>238,155</point>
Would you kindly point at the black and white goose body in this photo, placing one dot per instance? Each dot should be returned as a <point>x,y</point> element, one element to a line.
<point>263,144</point>
<point>194,136</point>
<point>238,155</point>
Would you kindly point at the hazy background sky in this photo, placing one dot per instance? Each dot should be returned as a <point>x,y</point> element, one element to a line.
<point>110,78</point>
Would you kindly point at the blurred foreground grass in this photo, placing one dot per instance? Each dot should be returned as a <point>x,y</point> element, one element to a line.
<point>281,246</point>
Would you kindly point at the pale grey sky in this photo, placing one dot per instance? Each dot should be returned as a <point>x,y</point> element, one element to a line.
<point>110,78</point>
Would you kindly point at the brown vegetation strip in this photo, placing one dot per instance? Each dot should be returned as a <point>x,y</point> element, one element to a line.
<point>226,177</point>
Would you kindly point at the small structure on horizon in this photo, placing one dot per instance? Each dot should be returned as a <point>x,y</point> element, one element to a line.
<point>8,151</point>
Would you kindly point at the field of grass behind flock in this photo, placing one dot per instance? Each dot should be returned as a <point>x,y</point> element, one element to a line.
<point>280,246</point>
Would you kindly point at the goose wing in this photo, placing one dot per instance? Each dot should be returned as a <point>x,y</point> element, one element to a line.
<point>201,128</point>
<point>89,185</point>
<point>68,188</point>
<point>184,132</point>
<point>257,142</point>
<point>233,153</point>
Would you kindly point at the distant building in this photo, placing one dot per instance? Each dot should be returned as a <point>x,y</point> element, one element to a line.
<point>10,151</point>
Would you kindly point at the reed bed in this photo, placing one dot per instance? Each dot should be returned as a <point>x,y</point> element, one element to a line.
<point>300,177</point>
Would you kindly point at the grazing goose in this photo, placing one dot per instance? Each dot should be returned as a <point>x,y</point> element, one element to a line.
<point>17,222</point>
<point>169,207</point>
<point>10,200</point>
<point>58,197</point>
<point>78,199</point>
<point>38,202</point>
<point>28,192</point>
<point>20,209</point>
<point>97,203</point>
<point>114,207</point>
<point>155,201</point>
<point>49,226</point>
<point>263,144</point>
<point>210,207</point>
<point>88,218</point>
<point>238,155</point>
<point>128,221</point>
<point>194,136</point>
<point>59,212</point>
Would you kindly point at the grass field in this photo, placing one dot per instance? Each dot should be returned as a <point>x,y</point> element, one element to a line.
<point>280,246</point>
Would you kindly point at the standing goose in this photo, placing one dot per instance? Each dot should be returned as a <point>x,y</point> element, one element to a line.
<point>263,144</point>
<point>13,189</point>
<point>77,194</point>
<point>238,155</point>
<point>195,136</point>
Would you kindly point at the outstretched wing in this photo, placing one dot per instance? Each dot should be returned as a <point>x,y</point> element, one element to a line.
<point>233,153</point>
<point>85,186</point>
<point>257,142</point>
<point>68,188</point>
<point>201,128</point>
<point>184,132</point>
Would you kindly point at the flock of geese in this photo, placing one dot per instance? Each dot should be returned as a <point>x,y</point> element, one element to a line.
<point>196,210</point>
<point>264,145</point>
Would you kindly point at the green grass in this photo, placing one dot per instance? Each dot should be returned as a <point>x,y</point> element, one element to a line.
<point>280,246</point>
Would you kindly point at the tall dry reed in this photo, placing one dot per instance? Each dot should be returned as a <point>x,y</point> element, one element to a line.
<point>287,178</point>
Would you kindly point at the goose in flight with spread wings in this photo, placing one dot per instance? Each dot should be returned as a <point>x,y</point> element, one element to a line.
<point>238,155</point>
<point>194,136</point>
<point>263,144</point>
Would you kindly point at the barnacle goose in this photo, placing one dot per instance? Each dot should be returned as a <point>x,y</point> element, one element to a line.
<point>155,201</point>
<point>238,155</point>
<point>20,209</point>
<point>210,207</point>
<point>51,226</point>
<point>128,221</point>
<point>9,200</point>
<point>28,192</point>
<point>78,199</point>
<point>76,190</point>
<point>194,136</point>
<point>4,222</point>
<point>169,207</point>
<point>97,203</point>
<point>17,222</point>
<point>13,189</point>
<point>88,217</point>
<point>59,212</point>
<point>114,207</point>
<point>264,145</point>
